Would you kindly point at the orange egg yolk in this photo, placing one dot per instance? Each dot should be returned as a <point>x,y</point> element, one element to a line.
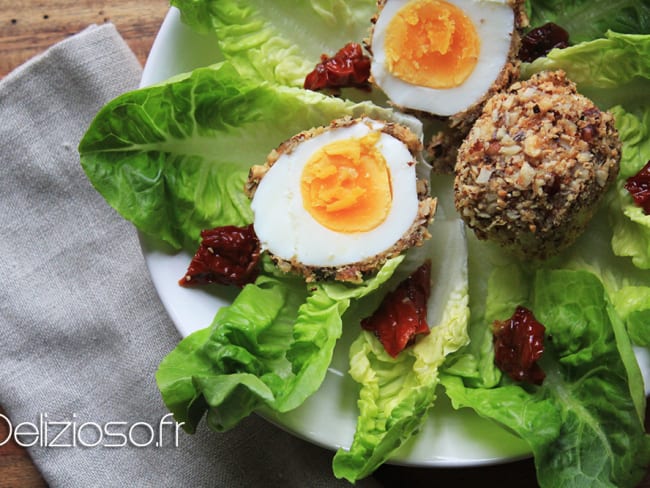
<point>431,43</point>
<point>346,185</point>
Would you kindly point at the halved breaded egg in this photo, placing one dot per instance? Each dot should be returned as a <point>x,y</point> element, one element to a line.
<point>444,56</point>
<point>336,202</point>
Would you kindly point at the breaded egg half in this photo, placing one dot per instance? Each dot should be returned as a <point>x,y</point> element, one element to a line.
<point>443,57</point>
<point>336,202</point>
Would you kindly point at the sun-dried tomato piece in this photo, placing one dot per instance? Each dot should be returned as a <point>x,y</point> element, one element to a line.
<point>518,345</point>
<point>402,315</point>
<point>227,255</point>
<point>349,67</point>
<point>639,187</point>
<point>539,41</point>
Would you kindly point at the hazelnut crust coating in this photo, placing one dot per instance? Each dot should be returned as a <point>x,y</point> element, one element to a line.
<point>354,272</point>
<point>535,165</point>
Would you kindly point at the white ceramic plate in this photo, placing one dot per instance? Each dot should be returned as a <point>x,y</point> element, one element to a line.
<point>328,418</point>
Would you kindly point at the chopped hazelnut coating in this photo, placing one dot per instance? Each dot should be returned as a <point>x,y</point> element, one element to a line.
<point>534,166</point>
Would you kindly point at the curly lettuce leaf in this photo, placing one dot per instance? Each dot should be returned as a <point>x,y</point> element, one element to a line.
<point>586,20</point>
<point>396,393</point>
<point>269,349</point>
<point>173,158</point>
<point>279,41</point>
<point>584,424</point>
<point>311,351</point>
<point>235,362</point>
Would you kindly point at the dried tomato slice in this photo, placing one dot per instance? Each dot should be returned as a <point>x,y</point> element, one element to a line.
<point>639,187</point>
<point>349,67</point>
<point>518,345</point>
<point>402,315</point>
<point>539,41</point>
<point>227,255</point>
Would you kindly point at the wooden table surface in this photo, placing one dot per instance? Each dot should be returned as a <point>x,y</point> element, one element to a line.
<point>29,27</point>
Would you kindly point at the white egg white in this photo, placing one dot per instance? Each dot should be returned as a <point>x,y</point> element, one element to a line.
<point>494,21</point>
<point>287,230</point>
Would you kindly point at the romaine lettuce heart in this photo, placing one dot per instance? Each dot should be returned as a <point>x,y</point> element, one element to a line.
<point>584,423</point>
<point>279,41</point>
<point>397,393</point>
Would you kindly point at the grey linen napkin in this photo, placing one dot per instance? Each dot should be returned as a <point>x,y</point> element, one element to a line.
<point>82,329</point>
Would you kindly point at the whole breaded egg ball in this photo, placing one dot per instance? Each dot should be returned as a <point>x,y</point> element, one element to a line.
<point>535,165</point>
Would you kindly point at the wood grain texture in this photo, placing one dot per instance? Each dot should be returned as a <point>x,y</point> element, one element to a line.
<point>27,28</point>
<point>16,467</point>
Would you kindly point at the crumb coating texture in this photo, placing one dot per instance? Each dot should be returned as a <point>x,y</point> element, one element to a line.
<point>535,165</point>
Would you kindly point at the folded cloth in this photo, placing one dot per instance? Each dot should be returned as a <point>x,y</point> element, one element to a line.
<point>83,330</point>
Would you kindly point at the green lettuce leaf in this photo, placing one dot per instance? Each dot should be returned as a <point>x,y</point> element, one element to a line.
<point>236,361</point>
<point>633,305</point>
<point>396,393</point>
<point>586,20</point>
<point>279,41</point>
<point>584,423</point>
<point>173,158</point>
<point>315,332</point>
<point>269,349</point>
<point>631,236</point>
<point>496,282</point>
<point>614,70</point>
